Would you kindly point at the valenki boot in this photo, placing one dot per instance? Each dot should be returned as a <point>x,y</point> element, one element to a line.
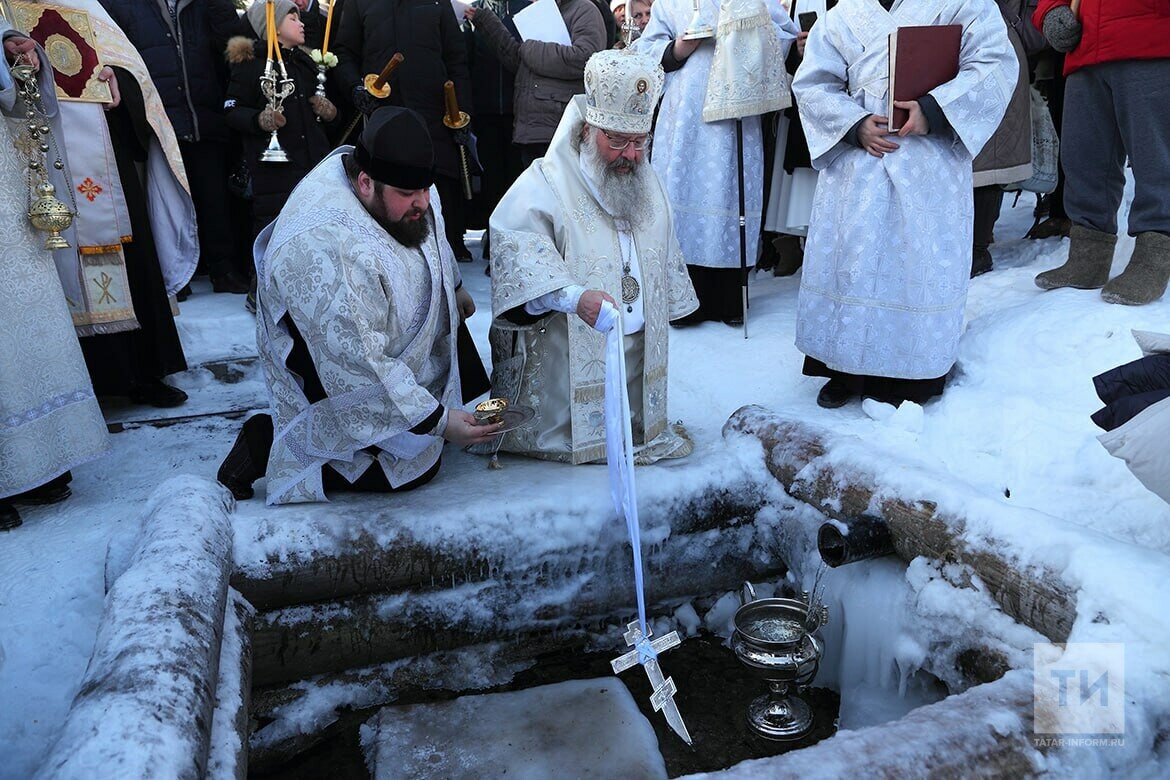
<point>1144,279</point>
<point>1090,253</point>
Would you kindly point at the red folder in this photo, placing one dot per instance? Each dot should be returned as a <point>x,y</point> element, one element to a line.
<point>921,58</point>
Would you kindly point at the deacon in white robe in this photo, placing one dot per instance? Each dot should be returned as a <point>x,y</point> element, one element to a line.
<point>887,261</point>
<point>589,221</point>
<point>49,418</point>
<point>357,315</point>
<point>697,159</point>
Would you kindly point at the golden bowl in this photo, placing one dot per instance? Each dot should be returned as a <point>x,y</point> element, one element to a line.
<point>490,411</point>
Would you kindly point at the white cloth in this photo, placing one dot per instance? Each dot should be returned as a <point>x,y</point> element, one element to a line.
<point>379,322</point>
<point>550,232</point>
<point>50,421</point>
<point>790,199</point>
<point>888,256</point>
<point>697,159</point>
<point>1141,443</point>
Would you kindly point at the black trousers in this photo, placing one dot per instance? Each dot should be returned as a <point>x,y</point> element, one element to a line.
<point>207,173</point>
<point>988,202</point>
<point>454,211</point>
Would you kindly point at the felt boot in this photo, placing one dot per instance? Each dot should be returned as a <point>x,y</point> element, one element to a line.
<point>1090,253</point>
<point>1144,279</point>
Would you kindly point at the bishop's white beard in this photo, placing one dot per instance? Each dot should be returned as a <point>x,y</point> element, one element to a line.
<point>624,195</point>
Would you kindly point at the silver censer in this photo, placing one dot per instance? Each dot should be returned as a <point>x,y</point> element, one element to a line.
<point>776,639</point>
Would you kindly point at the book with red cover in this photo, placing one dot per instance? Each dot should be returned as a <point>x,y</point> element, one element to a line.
<point>921,58</point>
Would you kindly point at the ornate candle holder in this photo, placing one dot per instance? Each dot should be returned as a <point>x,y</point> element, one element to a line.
<point>324,61</point>
<point>276,89</point>
<point>776,639</point>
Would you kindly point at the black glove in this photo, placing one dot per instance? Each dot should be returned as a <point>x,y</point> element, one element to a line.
<point>363,101</point>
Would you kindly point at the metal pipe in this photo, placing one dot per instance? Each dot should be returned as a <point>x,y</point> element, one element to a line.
<point>865,536</point>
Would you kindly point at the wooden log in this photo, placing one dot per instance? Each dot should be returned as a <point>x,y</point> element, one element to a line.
<point>231,724</point>
<point>984,732</point>
<point>145,704</point>
<point>1034,596</point>
<point>299,642</point>
<point>365,567</point>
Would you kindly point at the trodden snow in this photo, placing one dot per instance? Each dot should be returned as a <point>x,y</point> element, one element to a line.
<point>1010,443</point>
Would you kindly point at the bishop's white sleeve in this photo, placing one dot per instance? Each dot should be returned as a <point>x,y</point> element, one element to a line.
<point>563,300</point>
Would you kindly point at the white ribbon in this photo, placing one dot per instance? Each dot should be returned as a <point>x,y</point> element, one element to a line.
<point>619,443</point>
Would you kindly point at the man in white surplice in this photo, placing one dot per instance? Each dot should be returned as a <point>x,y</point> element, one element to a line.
<point>697,159</point>
<point>588,223</point>
<point>358,306</point>
<point>888,256</point>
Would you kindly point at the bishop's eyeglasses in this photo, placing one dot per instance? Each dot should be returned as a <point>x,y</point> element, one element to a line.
<point>619,144</point>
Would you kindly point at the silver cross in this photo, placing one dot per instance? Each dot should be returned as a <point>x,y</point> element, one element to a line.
<point>662,699</point>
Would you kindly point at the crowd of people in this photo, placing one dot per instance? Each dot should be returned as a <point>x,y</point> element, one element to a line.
<point>630,178</point>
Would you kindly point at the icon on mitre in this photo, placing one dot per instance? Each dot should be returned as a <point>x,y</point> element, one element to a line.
<point>67,37</point>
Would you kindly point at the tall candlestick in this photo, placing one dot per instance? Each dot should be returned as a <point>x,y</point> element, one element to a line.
<point>387,71</point>
<point>452,104</point>
<point>328,27</point>
<point>270,30</point>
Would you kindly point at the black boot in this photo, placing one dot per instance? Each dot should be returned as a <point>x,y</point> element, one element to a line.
<point>157,393</point>
<point>834,395</point>
<point>248,459</point>
<point>9,517</point>
<point>53,491</point>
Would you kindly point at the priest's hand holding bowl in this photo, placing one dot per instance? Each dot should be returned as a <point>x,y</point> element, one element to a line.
<point>590,305</point>
<point>22,51</point>
<point>462,429</point>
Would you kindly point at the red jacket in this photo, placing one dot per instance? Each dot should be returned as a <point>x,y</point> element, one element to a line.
<point>1115,30</point>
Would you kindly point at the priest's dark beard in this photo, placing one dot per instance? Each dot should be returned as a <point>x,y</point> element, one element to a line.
<point>411,233</point>
<point>623,185</point>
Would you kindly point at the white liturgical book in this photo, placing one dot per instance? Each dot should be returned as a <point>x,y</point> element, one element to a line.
<point>542,21</point>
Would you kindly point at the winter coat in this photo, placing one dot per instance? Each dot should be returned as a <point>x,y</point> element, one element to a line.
<point>492,83</point>
<point>1137,412</point>
<point>548,75</point>
<point>313,18</point>
<point>1007,156</point>
<point>1115,30</point>
<point>428,36</point>
<point>302,137</point>
<point>184,59</point>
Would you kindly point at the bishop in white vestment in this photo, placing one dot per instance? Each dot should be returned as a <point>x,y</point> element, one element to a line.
<point>696,158</point>
<point>589,222</point>
<point>358,309</point>
<point>888,256</point>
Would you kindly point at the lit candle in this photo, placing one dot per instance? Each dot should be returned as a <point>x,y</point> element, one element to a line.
<point>328,27</point>
<point>452,103</point>
<point>387,71</point>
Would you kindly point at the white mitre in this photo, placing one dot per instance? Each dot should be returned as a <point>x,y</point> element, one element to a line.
<point>621,91</point>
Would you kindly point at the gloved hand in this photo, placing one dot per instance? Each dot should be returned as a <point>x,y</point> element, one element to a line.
<point>270,120</point>
<point>363,101</point>
<point>1062,28</point>
<point>323,107</point>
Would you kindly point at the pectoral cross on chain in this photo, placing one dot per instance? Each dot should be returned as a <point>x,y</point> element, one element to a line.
<point>662,699</point>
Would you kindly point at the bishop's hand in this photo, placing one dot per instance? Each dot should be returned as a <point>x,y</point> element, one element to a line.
<point>22,51</point>
<point>463,430</point>
<point>590,305</point>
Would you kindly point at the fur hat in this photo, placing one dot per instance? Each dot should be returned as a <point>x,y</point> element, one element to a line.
<point>256,15</point>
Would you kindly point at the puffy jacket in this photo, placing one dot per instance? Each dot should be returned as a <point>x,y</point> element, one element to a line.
<point>303,137</point>
<point>427,34</point>
<point>548,75</point>
<point>1115,30</point>
<point>184,55</point>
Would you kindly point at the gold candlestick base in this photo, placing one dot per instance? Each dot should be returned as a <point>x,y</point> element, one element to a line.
<point>381,92</point>
<point>464,120</point>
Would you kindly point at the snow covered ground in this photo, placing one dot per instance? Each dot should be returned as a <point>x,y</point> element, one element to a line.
<point>1012,432</point>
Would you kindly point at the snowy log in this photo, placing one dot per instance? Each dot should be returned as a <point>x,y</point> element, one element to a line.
<point>231,723</point>
<point>145,704</point>
<point>298,642</point>
<point>984,732</point>
<point>366,566</point>
<point>795,451</point>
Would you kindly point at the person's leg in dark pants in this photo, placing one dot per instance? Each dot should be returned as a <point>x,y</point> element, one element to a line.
<point>1140,89</point>
<point>454,206</point>
<point>988,201</point>
<point>207,172</point>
